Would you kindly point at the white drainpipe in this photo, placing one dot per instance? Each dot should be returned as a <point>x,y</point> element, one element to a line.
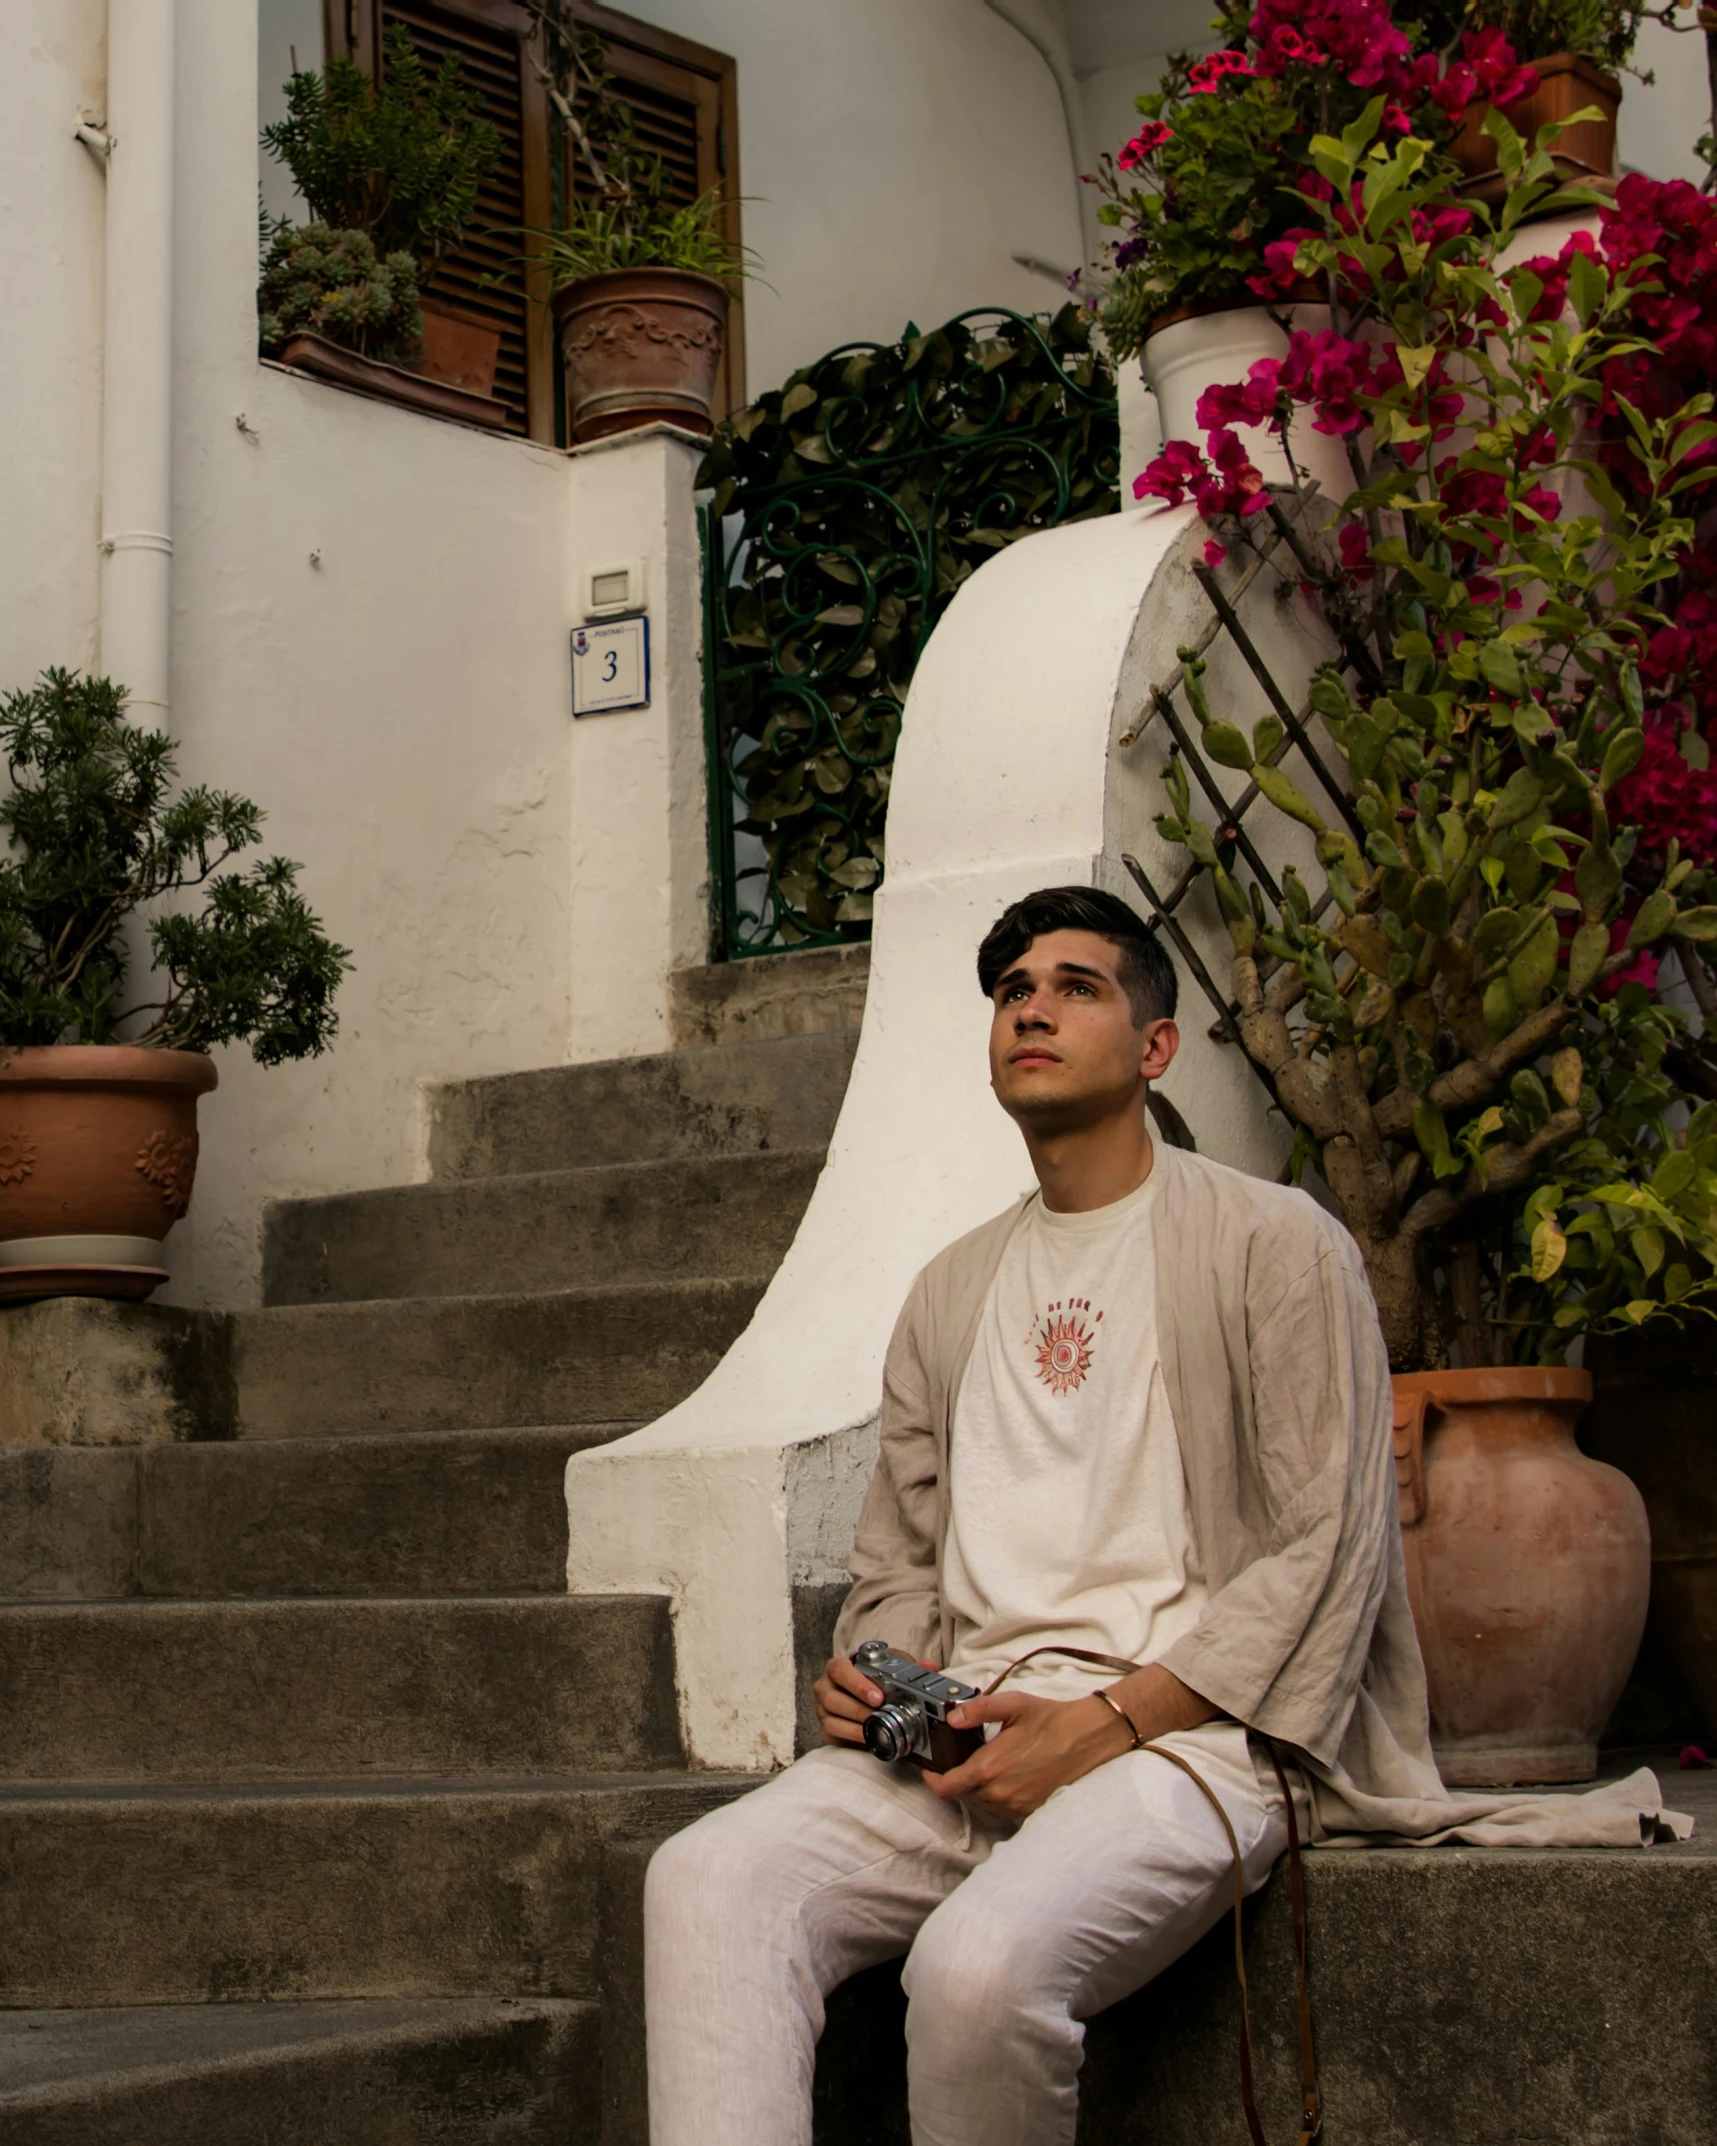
<point>137,381</point>
<point>1040,23</point>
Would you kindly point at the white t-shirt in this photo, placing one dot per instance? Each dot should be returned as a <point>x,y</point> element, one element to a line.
<point>1068,1516</point>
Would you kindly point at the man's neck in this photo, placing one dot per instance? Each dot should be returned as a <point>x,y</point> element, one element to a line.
<point>1094,1166</point>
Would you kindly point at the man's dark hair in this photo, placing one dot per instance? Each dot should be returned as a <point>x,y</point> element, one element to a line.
<point>1146,973</point>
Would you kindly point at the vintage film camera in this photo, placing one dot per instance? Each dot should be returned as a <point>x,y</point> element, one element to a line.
<point>912,1721</point>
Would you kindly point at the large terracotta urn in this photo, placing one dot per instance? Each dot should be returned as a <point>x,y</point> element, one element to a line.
<point>1528,1568</point>
<point>98,1149</point>
<point>1214,344</point>
<point>641,347</point>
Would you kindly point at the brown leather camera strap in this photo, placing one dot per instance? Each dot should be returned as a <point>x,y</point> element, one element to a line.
<point>1311,2107</point>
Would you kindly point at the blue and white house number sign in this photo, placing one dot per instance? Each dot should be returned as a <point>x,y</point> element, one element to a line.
<point>611,666</point>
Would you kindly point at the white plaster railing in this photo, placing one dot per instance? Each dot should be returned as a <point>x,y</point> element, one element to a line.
<point>1008,778</point>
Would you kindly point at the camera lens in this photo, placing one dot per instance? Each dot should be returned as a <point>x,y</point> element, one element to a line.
<point>891,1731</point>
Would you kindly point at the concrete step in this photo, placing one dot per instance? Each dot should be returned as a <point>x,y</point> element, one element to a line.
<point>510,2073</point>
<point>255,1691</point>
<point>441,1513</point>
<point>1461,1995</point>
<point>553,1229</point>
<point>741,1099</point>
<point>581,1356</point>
<point>115,1895</point>
<point>811,991</point>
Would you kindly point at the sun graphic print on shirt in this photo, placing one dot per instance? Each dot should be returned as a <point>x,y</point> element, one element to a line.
<point>1063,1342</point>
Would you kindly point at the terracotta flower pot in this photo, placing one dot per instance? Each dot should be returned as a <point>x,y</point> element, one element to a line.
<point>1209,345</point>
<point>1566,85</point>
<point>98,1149</point>
<point>393,383</point>
<point>641,347</point>
<point>1653,1418</point>
<point>1528,1568</point>
<point>459,352</point>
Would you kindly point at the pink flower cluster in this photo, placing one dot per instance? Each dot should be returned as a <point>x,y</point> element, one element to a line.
<point>1214,69</point>
<point>1149,139</point>
<point>1355,36</point>
<point>1322,371</point>
<point>1487,70</point>
<point>1226,484</point>
<point>1675,222</point>
<point>1668,800</point>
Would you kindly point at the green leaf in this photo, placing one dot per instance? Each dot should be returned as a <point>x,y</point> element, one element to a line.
<point>1522,794</point>
<point>1532,970</point>
<point>1674,1174</point>
<point>1549,1245</point>
<point>1267,733</point>
<point>1287,797</point>
<point>1501,1011</point>
<point>1587,286</point>
<point>1431,907</point>
<point>1586,957</point>
<point>1598,879</point>
<point>1656,915</point>
<point>1699,925</point>
<point>1647,1246</point>
<point>1226,744</point>
<point>1500,667</point>
<point>1621,756</point>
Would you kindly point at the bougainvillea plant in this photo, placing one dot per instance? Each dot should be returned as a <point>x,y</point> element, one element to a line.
<point>1198,193</point>
<point>1463,1025</point>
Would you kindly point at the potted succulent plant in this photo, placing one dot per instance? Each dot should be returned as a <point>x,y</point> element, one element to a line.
<point>1464,1025</point>
<point>391,172</point>
<point>1202,280</point>
<point>639,280</point>
<point>98,1093</point>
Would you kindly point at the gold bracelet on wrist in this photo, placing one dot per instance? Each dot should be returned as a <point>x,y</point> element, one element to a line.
<point>1121,1715</point>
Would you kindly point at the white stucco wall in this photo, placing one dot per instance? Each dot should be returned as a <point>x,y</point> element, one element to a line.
<point>52,74</point>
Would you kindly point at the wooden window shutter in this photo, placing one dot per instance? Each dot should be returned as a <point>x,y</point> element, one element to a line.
<point>685,99</point>
<point>486,35</point>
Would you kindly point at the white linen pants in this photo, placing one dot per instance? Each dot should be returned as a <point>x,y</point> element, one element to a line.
<point>1017,1936</point>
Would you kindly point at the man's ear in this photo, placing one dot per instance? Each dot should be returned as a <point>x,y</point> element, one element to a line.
<point>1158,1045</point>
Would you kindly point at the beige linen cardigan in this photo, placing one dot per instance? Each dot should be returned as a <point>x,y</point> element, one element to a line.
<point>1278,1383</point>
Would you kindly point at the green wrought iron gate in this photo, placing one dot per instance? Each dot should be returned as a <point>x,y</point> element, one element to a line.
<point>847,509</point>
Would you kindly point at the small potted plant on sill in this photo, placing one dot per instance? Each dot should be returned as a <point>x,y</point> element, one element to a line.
<point>392,174</point>
<point>1464,1025</point>
<point>98,1094</point>
<point>1576,51</point>
<point>1204,193</point>
<point>639,278</point>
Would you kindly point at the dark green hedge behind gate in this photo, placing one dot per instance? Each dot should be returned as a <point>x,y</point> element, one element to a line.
<point>848,508</point>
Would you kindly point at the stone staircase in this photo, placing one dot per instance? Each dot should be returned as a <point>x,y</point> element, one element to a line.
<point>309,1767</point>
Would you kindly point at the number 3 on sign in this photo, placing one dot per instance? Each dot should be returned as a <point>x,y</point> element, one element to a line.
<point>611,666</point>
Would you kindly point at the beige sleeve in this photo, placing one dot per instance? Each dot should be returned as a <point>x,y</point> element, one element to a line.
<point>895,1595</point>
<point>1283,1645</point>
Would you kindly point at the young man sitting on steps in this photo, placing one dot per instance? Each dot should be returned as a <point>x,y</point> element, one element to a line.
<point>1145,1413</point>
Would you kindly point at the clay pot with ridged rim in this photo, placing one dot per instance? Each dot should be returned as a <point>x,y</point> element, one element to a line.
<point>641,347</point>
<point>1528,1568</point>
<point>98,1150</point>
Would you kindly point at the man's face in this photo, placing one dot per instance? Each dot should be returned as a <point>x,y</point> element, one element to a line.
<point>1065,1051</point>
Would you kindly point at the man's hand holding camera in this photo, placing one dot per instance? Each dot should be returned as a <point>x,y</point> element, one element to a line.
<point>1042,1744</point>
